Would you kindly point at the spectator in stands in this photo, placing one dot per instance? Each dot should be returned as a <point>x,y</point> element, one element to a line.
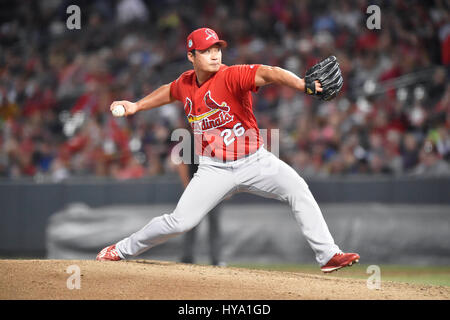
<point>431,163</point>
<point>55,90</point>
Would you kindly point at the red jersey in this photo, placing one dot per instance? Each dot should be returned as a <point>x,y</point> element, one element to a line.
<point>220,111</point>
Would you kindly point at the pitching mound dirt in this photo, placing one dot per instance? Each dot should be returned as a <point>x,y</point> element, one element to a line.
<point>145,279</point>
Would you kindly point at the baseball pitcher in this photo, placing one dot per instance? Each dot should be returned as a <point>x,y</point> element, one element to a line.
<point>218,105</point>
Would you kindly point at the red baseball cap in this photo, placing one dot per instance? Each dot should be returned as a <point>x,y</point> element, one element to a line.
<point>202,39</point>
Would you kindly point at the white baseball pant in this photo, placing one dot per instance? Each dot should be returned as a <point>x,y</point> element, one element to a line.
<point>260,173</point>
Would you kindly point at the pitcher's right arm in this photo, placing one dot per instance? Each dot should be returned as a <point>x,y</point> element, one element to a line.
<point>157,98</point>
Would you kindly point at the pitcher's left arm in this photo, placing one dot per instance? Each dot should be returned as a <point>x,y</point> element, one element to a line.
<point>323,79</point>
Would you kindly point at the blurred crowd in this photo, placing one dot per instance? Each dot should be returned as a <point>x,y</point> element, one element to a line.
<point>56,84</point>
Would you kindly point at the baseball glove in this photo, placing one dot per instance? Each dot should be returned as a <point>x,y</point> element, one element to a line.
<point>328,73</point>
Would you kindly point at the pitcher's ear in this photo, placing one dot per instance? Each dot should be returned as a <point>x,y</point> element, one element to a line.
<point>191,55</point>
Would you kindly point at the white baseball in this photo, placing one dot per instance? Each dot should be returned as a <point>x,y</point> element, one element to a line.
<point>118,110</point>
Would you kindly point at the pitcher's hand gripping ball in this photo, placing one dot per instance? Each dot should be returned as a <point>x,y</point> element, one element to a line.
<point>328,73</point>
<point>118,111</point>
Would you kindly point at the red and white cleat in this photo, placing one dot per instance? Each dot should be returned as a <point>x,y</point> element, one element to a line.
<point>108,254</point>
<point>340,260</point>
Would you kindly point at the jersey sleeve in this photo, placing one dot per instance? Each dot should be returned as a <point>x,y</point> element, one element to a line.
<point>175,89</point>
<point>241,78</point>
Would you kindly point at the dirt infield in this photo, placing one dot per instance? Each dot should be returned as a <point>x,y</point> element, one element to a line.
<point>147,279</point>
